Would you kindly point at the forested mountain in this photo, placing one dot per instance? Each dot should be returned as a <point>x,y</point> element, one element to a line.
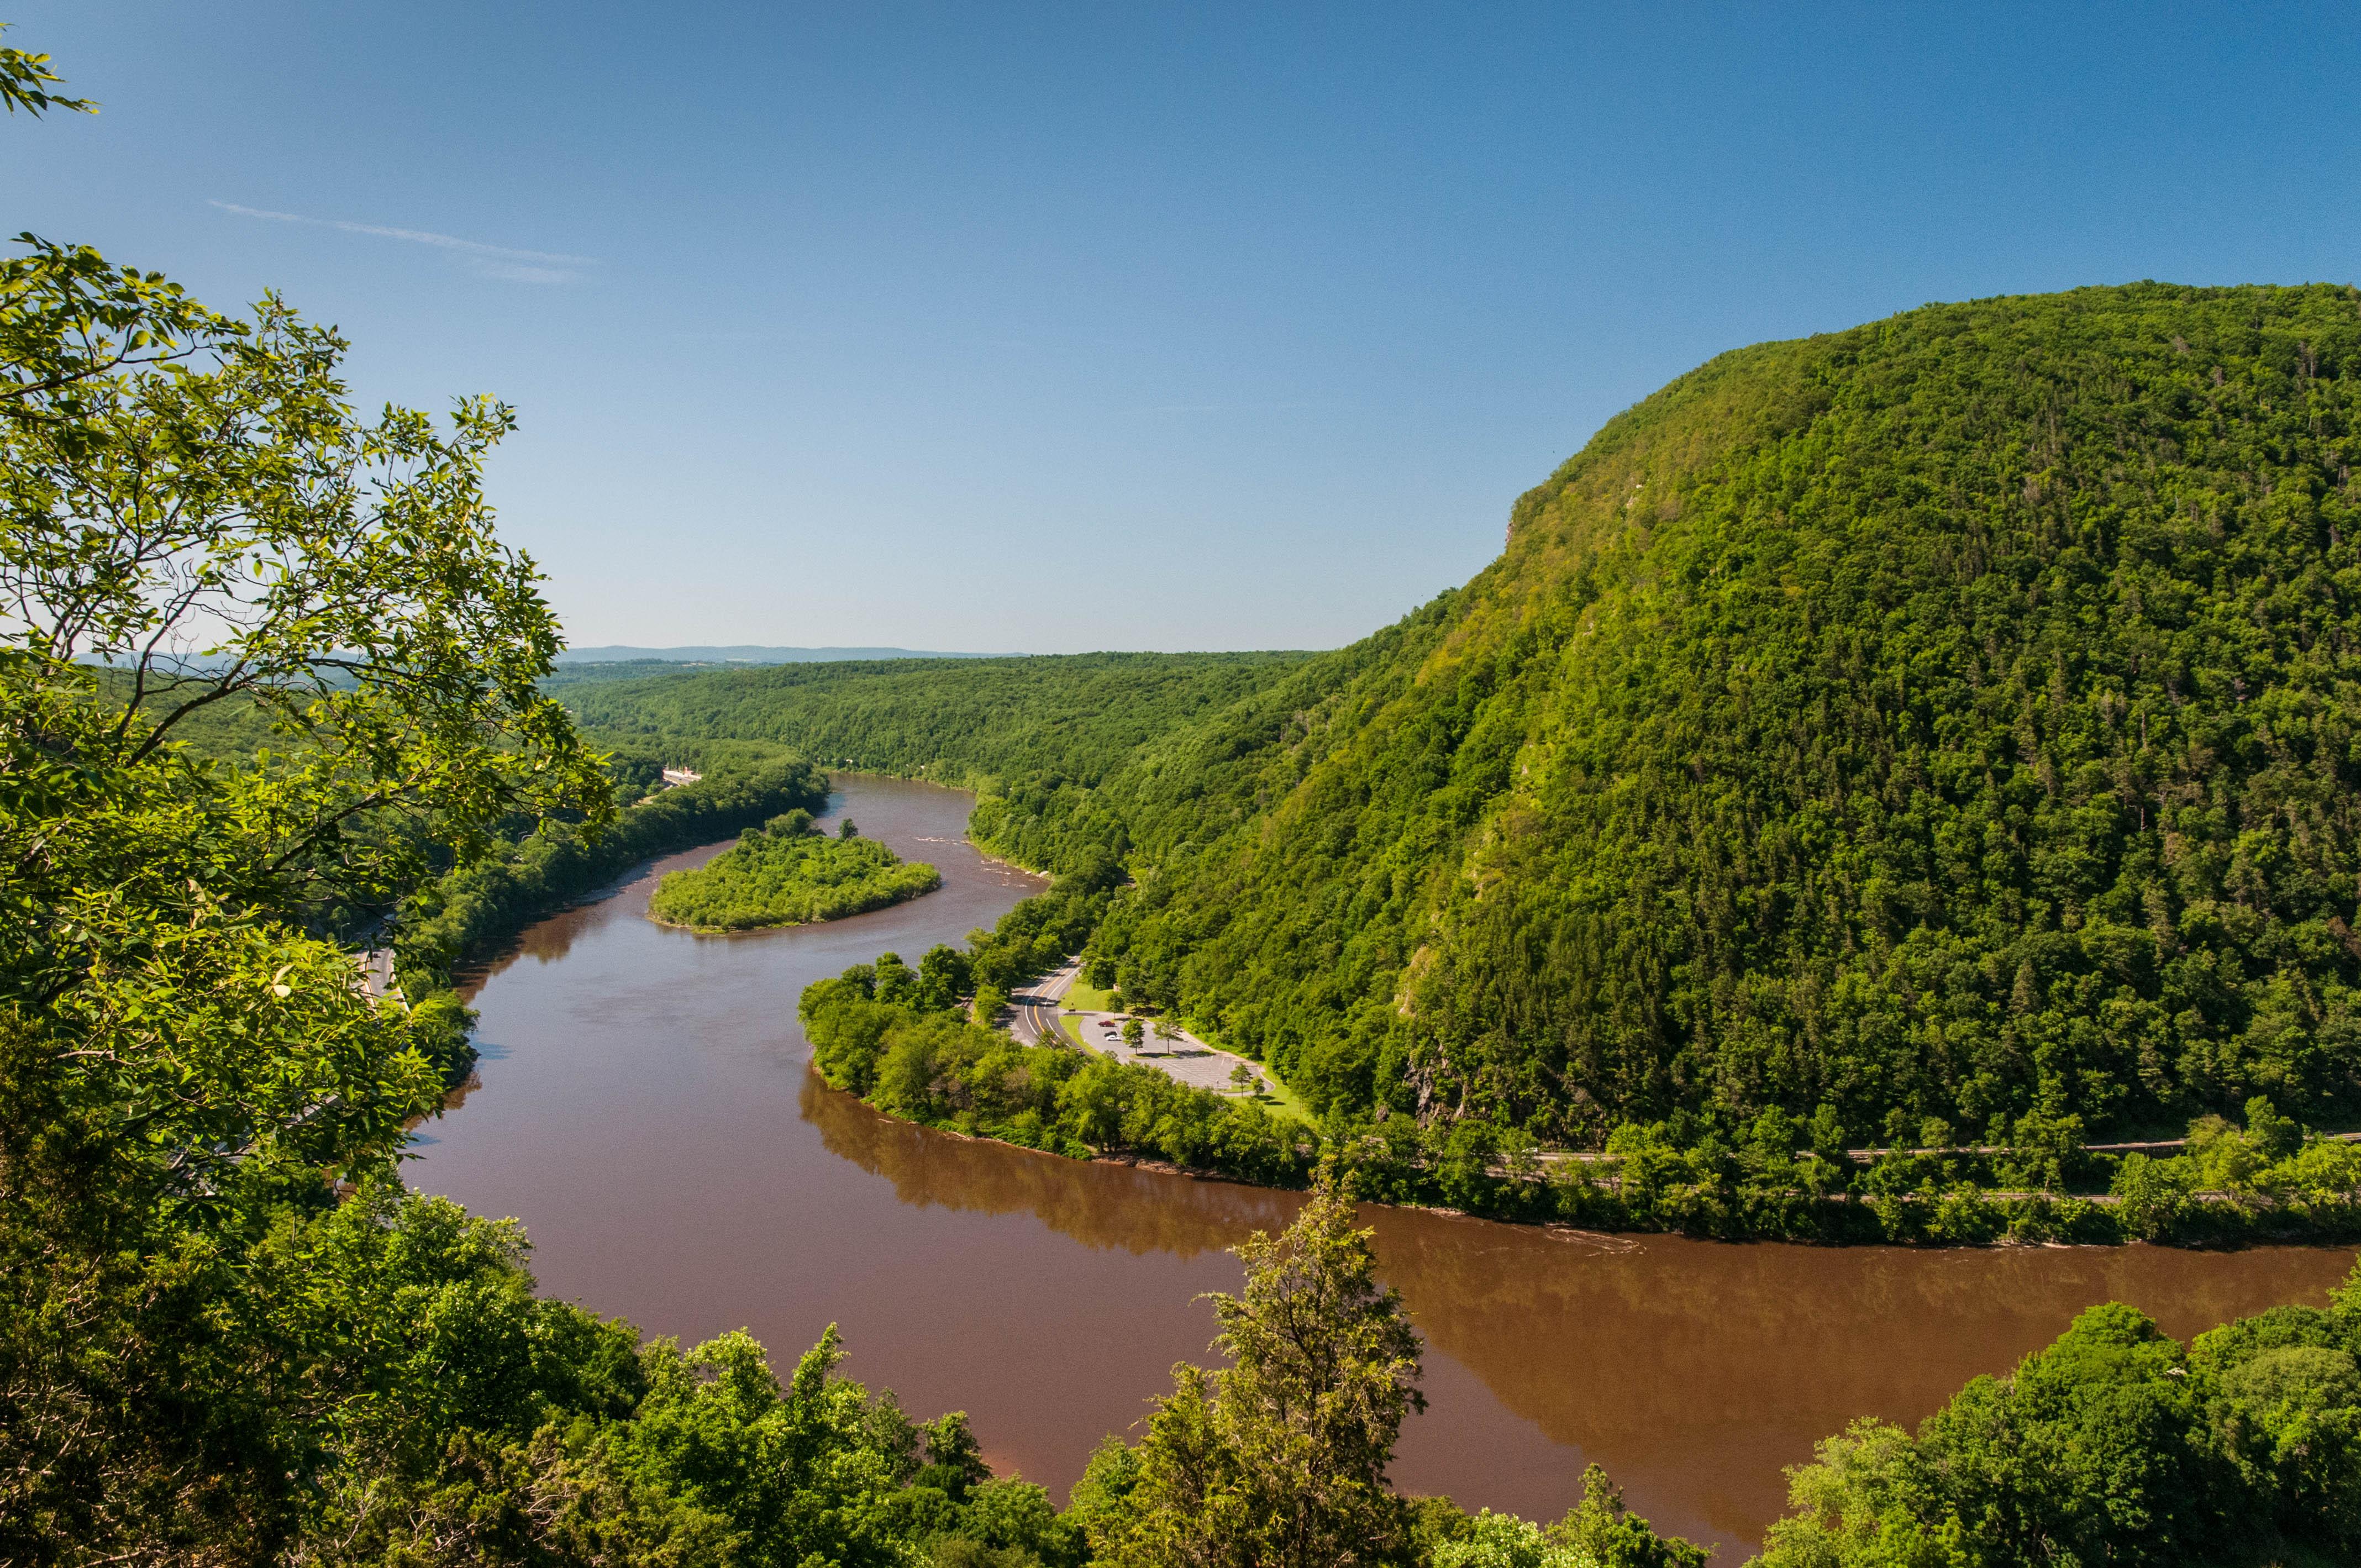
<point>1950,718</point>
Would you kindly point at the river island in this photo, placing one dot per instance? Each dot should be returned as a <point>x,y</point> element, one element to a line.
<point>787,872</point>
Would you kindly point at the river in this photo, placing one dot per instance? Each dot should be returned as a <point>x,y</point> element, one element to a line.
<point>645,1106</point>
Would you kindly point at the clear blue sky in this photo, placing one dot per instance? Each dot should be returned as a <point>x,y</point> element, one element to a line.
<point>1125,326</point>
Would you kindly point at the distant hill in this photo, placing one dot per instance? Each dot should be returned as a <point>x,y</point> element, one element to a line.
<point>618,653</point>
<point>1028,725</point>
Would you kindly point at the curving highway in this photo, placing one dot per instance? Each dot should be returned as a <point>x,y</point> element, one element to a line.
<point>1036,1007</point>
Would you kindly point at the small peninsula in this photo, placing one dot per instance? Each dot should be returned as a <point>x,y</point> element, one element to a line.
<point>787,872</point>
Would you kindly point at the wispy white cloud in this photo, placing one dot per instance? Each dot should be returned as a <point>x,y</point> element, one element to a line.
<point>488,260</point>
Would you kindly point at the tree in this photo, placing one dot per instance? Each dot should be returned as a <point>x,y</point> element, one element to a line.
<point>25,81</point>
<point>1279,1460</point>
<point>211,525</point>
<point>1596,1533</point>
<point>1599,1530</point>
<point>193,520</point>
<point>2152,1194</point>
<point>845,830</point>
<point>2110,1446</point>
<point>945,974</point>
<point>1243,1078</point>
<point>223,530</point>
<point>2275,1136</point>
<point>1131,1033</point>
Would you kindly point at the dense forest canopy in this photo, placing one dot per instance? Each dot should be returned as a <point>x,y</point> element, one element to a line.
<point>1075,715</point>
<point>1946,719</point>
<point>1950,717</point>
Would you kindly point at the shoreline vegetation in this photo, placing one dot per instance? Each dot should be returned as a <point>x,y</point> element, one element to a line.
<point>2259,1179</point>
<point>919,1045</point>
<point>787,872</point>
<point>1782,1180</point>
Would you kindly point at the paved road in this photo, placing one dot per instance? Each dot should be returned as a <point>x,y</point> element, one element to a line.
<point>1036,1007</point>
<point>375,966</point>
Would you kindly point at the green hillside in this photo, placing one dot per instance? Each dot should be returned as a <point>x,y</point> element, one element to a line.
<point>1950,718</point>
<point>1038,735</point>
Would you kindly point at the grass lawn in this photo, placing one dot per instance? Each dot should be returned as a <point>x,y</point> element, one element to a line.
<point>1083,999</point>
<point>1285,1100</point>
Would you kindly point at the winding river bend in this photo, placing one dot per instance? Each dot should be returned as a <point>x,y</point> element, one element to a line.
<point>646,1107</point>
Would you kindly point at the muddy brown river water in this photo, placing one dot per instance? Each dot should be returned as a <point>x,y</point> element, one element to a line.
<point>646,1108</point>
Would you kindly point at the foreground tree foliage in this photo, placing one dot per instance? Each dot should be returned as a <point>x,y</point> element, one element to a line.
<point>186,501</point>
<point>2114,1445</point>
<point>1280,1459</point>
<point>226,1335</point>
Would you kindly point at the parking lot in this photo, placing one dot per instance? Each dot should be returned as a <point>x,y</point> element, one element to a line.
<point>1182,1056</point>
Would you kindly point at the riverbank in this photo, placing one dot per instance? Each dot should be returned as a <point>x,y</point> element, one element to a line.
<point>1776,1178</point>
<point>756,930</point>
<point>459,916</point>
<point>1603,1205</point>
<point>938,1070</point>
<point>462,915</point>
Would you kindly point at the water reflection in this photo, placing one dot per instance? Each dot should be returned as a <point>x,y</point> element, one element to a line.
<point>1103,1206</point>
<point>1696,1371</point>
